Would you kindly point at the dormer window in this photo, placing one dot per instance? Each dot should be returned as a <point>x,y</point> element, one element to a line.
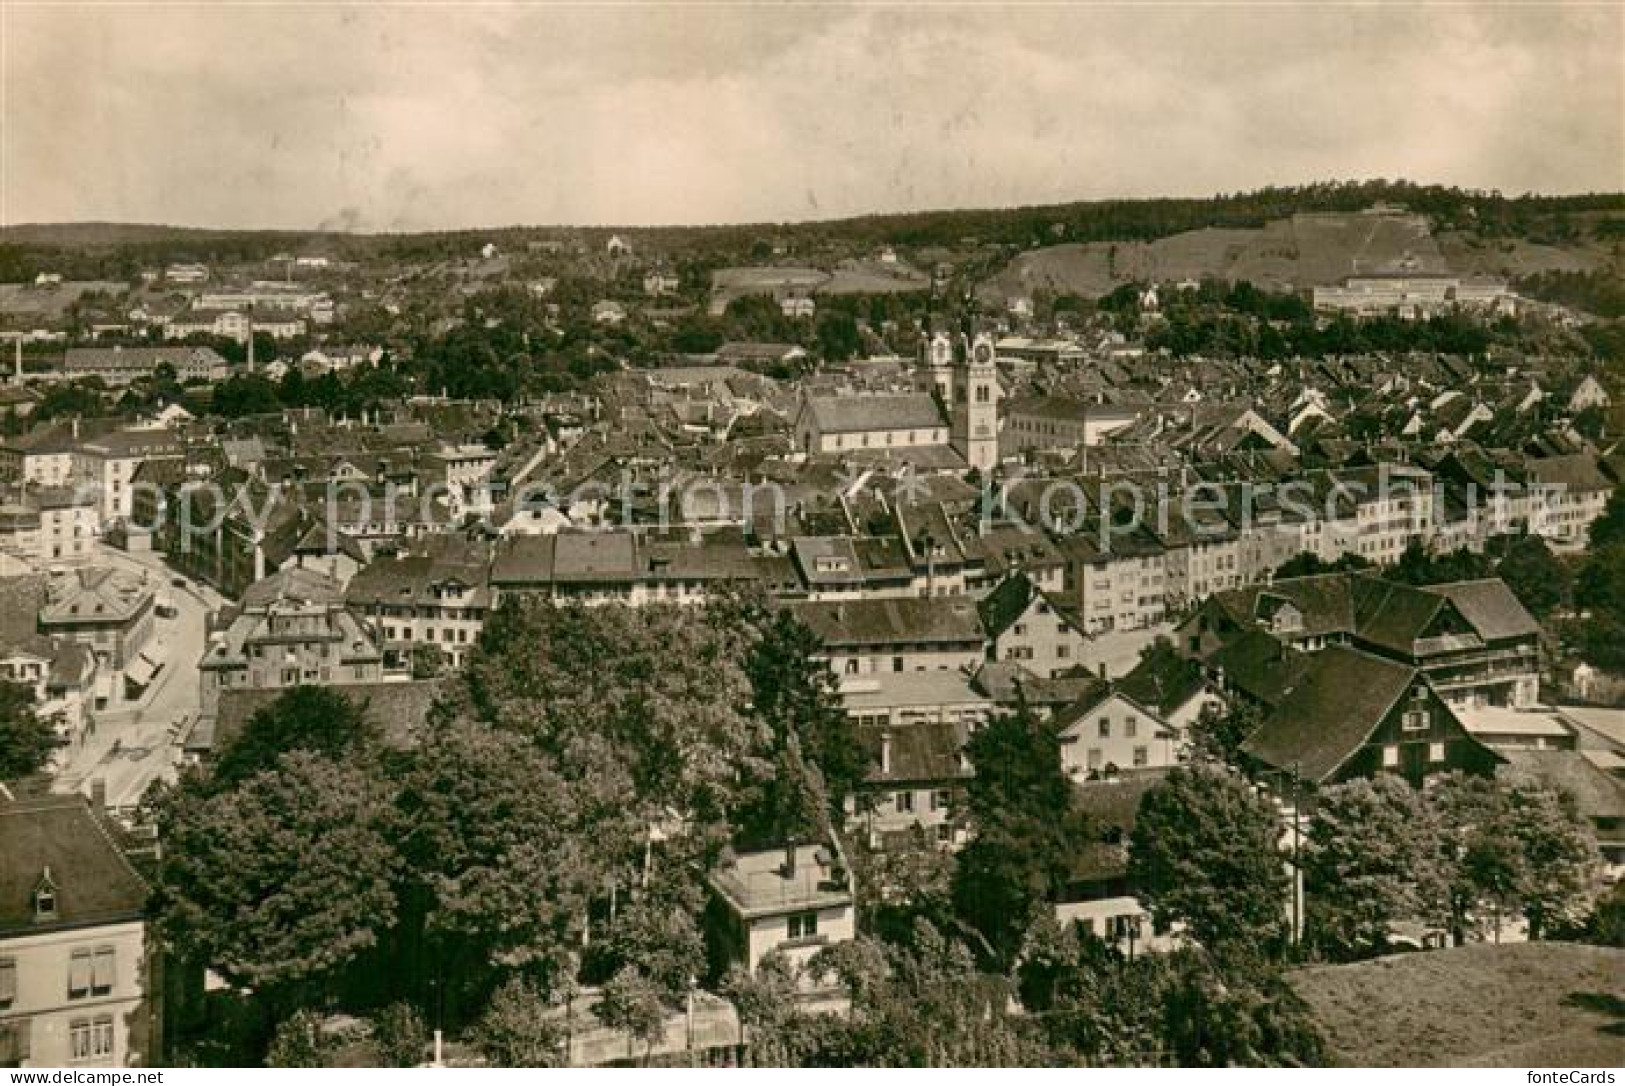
<point>45,898</point>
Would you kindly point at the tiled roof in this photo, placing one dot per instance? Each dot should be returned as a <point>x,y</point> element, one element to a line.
<point>94,883</point>
<point>1329,711</point>
<point>939,620</point>
<point>1490,607</point>
<point>1597,795</point>
<point>927,751</point>
<point>861,414</point>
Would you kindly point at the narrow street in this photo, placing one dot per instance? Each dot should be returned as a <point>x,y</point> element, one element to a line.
<point>135,743</point>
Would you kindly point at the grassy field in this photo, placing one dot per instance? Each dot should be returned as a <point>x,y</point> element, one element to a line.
<point>1302,251</point>
<point>1519,1005</point>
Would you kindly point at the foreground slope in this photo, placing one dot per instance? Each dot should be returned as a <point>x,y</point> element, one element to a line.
<point>1517,1005</point>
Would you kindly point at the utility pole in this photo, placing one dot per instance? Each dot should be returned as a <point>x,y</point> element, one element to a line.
<point>1297,851</point>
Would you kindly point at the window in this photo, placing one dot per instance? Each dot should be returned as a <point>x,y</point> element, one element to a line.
<point>80,963</point>
<point>1416,720</point>
<point>101,1037</point>
<point>1129,727</point>
<point>941,800</point>
<point>8,982</point>
<point>803,925</point>
<point>1096,760</point>
<point>1062,652</point>
<point>15,1046</point>
<point>1390,757</point>
<point>1435,752</point>
<point>1142,756</point>
<point>45,898</point>
<point>1105,724</point>
<point>904,802</point>
<point>102,971</point>
<point>897,663</point>
<point>79,1039</point>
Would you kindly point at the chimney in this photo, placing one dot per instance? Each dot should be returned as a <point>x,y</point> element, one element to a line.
<point>885,754</point>
<point>1102,669</point>
<point>789,868</point>
<point>98,794</point>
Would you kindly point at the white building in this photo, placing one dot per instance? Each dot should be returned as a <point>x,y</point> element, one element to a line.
<point>73,949</point>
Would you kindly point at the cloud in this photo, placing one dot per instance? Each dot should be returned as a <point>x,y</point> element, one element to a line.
<point>397,118</point>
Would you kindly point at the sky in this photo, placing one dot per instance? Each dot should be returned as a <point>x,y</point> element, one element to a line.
<point>414,117</point>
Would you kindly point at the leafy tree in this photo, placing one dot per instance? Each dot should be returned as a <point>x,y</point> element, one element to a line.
<point>1607,925</point>
<point>1560,859</point>
<point>657,930</point>
<point>781,1033</point>
<point>1214,1017</point>
<point>1600,589</point>
<point>1205,853</point>
<point>1534,575</point>
<point>1371,860</point>
<point>1095,1006</point>
<point>1482,865</point>
<point>1515,846</point>
<point>656,695</point>
<point>1308,564</point>
<point>299,1042</point>
<point>1217,733</point>
<point>428,661</point>
<point>26,740</point>
<point>510,854</point>
<point>1609,529</point>
<point>797,697</point>
<point>401,1035</point>
<point>1020,804</point>
<point>631,1002</point>
<point>911,877</point>
<point>520,1028</point>
<point>284,880</point>
<point>838,337</point>
<point>923,1004</point>
<point>317,719</point>
<point>1417,567</point>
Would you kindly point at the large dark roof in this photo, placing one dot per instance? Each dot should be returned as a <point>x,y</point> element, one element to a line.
<point>1379,612</point>
<point>94,883</point>
<point>1259,665</point>
<point>1597,794</point>
<point>1329,712</point>
<point>923,752</point>
<point>1001,607</point>
<point>1490,607</point>
<point>1393,616</point>
<point>846,623</point>
<point>1163,681</point>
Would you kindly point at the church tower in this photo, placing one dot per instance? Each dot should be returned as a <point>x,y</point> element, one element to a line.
<point>939,362</point>
<point>974,409</point>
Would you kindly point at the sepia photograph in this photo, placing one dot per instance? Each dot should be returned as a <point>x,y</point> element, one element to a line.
<point>736,536</point>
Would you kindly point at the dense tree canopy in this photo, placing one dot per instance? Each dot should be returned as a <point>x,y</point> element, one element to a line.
<point>1205,852</point>
<point>284,880</point>
<point>1026,830</point>
<point>26,740</point>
